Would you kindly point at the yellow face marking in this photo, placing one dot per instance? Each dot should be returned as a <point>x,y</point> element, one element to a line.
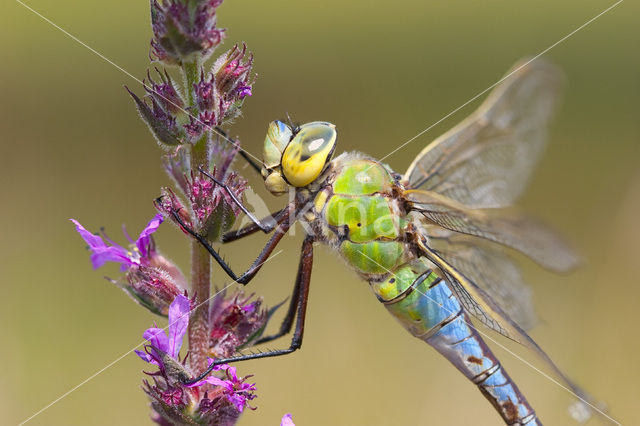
<point>275,184</point>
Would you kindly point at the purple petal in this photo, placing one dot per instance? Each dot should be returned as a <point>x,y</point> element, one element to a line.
<point>219,367</point>
<point>251,307</point>
<point>111,254</point>
<point>178,323</point>
<point>94,241</point>
<point>287,420</point>
<point>157,338</point>
<point>143,240</point>
<point>213,381</point>
<point>146,357</point>
<point>231,371</point>
<point>247,387</point>
<point>101,252</point>
<point>244,91</point>
<point>238,400</point>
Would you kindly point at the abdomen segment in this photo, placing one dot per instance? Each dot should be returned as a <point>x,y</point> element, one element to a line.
<point>429,310</point>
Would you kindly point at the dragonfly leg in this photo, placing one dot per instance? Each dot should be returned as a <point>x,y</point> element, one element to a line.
<point>252,163</point>
<point>255,166</point>
<point>278,216</point>
<point>301,292</point>
<point>287,322</point>
<point>269,222</point>
<point>244,278</point>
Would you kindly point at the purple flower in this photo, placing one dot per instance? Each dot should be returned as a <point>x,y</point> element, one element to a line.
<point>204,91</point>
<point>235,322</point>
<point>210,400</point>
<point>236,390</point>
<point>101,252</point>
<point>179,33</point>
<point>164,92</point>
<point>161,121</point>
<point>151,280</point>
<point>232,71</point>
<point>153,288</point>
<point>243,91</point>
<point>161,344</point>
<point>287,420</point>
<point>214,210</point>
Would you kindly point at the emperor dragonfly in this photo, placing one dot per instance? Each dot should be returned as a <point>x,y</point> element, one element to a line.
<point>418,238</point>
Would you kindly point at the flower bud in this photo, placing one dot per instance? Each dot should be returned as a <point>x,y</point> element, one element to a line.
<point>162,124</point>
<point>182,30</point>
<point>164,93</point>
<point>153,288</point>
<point>204,91</point>
<point>177,164</point>
<point>211,401</point>
<point>212,205</point>
<point>232,71</point>
<point>235,322</point>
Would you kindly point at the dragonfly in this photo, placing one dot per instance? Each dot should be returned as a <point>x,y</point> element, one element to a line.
<point>429,241</point>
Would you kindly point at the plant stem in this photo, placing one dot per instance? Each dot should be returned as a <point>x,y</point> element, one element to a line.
<point>190,71</point>
<point>200,280</point>
<point>200,259</point>
<point>199,322</point>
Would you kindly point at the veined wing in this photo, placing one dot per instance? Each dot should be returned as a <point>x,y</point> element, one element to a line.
<point>487,159</point>
<point>490,269</point>
<point>505,227</point>
<point>481,306</point>
<point>475,300</point>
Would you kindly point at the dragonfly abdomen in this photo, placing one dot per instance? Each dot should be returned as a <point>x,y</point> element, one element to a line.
<point>425,305</point>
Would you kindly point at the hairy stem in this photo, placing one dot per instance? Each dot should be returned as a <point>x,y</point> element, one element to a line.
<point>198,324</point>
<point>200,259</point>
<point>190,71</point>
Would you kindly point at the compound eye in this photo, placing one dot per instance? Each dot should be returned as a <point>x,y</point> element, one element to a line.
<point>278,136</point>
<point>308,152</point>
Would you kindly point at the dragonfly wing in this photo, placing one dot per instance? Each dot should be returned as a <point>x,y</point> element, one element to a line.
<point>502,226</point>
<point>490,269</point>
<point>482,307</point>
<point>487,159</point>
<point>475,300</point>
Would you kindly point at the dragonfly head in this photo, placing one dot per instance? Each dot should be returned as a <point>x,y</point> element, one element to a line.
<point>296,157</point>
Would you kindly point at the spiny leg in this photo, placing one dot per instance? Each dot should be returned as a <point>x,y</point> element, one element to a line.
<point>252,163</point>
<point>242,152</point>
<point>278,216</point>
<point>264,227</point>
<point>287,322</point>
<point>281,230</point>
<point>303,280</point>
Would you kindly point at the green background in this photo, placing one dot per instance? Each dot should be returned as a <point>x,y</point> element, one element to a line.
<point>72,146</point>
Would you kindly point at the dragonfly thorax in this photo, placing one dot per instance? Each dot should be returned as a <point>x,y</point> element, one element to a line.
<point>356,211</point>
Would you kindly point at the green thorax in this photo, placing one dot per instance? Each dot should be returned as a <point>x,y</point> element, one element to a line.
<point>360,217</point>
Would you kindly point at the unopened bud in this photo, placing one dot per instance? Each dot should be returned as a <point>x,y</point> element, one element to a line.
<point>162,123</point>
<point>181,31</point>
<point>151,287</point>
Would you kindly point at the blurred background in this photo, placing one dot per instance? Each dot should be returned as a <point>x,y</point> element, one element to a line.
<point>73,146</point>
